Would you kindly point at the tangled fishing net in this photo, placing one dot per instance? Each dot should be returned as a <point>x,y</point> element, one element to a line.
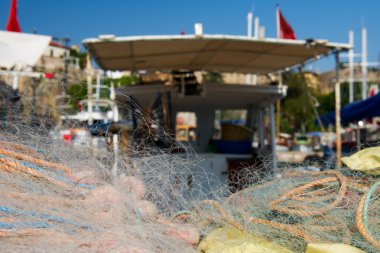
<point>152,196</point>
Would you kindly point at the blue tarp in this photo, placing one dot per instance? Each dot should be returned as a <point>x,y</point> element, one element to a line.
<point>354,112</point>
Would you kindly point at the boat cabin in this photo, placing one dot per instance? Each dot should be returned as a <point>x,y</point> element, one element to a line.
<point>184,55</point>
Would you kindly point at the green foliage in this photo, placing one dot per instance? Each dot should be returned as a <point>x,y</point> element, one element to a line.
<point>212,77</point>
<point>81,55</point>
<point>296,110</point>
<point>296,107</point>
<point>327,102</point>
<point>77,92</point>
<point>123,81</point>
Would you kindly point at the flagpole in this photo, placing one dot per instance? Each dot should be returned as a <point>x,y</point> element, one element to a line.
<point>278,20</point>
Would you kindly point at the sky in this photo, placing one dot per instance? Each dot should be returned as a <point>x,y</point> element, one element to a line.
<point>81,19</point>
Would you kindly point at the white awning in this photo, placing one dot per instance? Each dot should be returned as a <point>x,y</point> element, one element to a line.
<point>219,53</point>
<point>21,48</point>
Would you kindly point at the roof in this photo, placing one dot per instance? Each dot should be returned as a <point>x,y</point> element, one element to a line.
<point>221,53</point>
<point>21,48</point>
<point>56,44</point>
<point>354,112</point>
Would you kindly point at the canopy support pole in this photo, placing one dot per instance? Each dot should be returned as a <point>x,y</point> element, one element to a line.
<point>278,109</point>
<point>337,112</point>
<point>89,89</point>
<point>261,131</point>
<point>273,138</point>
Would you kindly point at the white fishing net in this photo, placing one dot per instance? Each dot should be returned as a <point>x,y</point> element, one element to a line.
<point>152,195</point>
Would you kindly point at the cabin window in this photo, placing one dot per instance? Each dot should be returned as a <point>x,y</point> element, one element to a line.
<point>51,53</point>
<point>186,126</point>
<point>235,117</point>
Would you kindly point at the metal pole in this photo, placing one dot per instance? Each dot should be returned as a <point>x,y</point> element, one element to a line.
<point>337,112</point>
<point>261,131</point>
<point>15,81</point>
<point>273,138</point>
<point>249,27</point>
<point>278,22</point>
<point>98,85</point>
<point>249,35</point>
<point>278,111</point>
<point>257,27</point>
<point>89,90</point>
<point>364,63</point>
<point>358,142</point>
<point>351,66</point>
<point>115,142</point>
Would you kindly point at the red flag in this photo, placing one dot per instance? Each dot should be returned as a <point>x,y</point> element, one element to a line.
<point>284,30</point>
<point>13,25</point>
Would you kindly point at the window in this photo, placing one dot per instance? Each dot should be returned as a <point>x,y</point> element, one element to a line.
<point>186,125</point>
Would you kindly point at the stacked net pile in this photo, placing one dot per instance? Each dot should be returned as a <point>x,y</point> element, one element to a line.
<point>152,196</point>
<point>58,198</point>
<point>298,208</point>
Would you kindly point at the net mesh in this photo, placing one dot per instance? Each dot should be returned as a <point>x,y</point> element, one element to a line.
<point>152,195</point>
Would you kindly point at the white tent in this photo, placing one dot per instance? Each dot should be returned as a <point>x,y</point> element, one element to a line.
<point>21,48</point>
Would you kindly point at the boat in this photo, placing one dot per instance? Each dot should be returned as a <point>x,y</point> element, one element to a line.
<point>215,53</point>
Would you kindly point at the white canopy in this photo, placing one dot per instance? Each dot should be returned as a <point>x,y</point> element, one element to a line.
<point>220,53</point>
<point>21,48</point>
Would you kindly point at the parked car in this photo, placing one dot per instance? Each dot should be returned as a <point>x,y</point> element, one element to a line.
<point>300,153</point>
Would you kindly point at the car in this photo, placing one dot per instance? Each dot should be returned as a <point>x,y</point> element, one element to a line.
<point>301,153</point>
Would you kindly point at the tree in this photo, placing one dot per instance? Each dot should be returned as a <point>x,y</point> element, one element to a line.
<point>81,55</point>
<point>297,111</point>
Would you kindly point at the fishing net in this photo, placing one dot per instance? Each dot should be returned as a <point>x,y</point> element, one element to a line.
<point>152,195</point>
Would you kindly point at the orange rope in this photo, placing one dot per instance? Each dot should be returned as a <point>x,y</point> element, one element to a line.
<point>20,233</point>
<point>254,188</point>
<point>7,168</point>
<point>20,147</point>
<point>284,227</point>
<point>221,210</point>
<point>342,191</point>
<point>6,164</point>
<point>31,159</point>
<point>360,223</point>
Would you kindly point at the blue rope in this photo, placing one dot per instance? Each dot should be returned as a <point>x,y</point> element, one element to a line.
<point>55,175</point>
<point>7,225</point>
<point>48,217</point>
